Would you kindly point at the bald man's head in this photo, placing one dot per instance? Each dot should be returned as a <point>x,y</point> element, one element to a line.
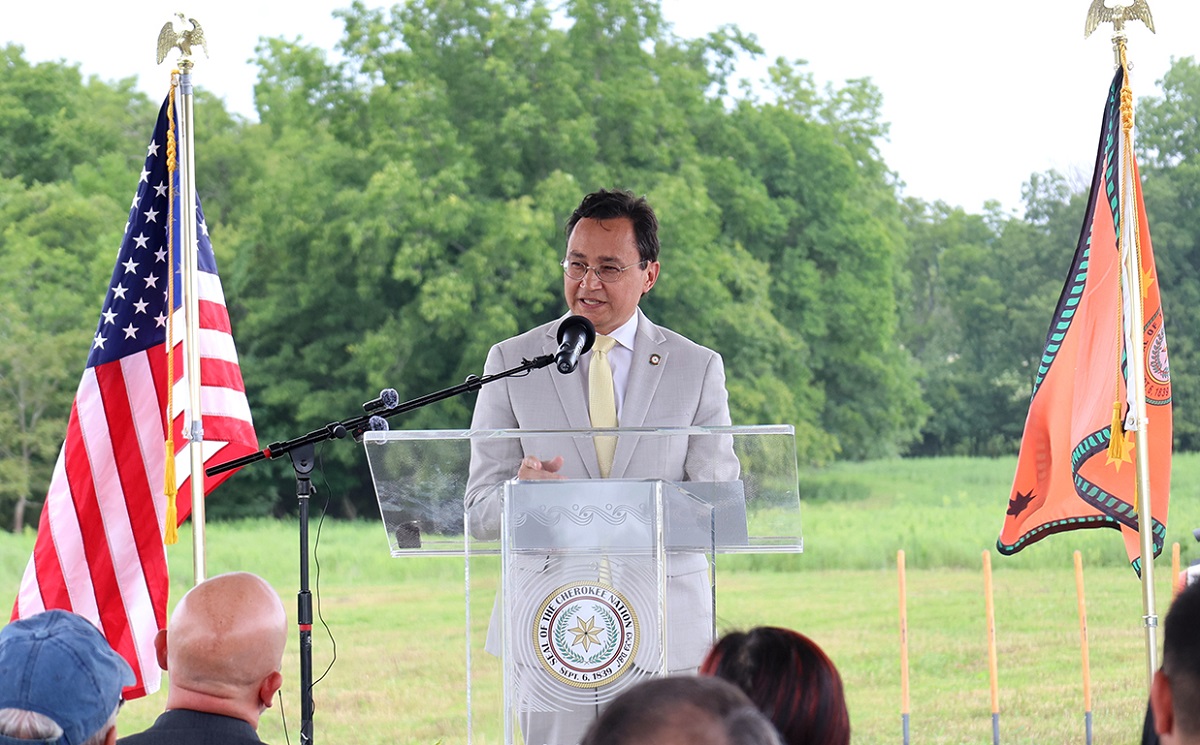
<point>224,643</point>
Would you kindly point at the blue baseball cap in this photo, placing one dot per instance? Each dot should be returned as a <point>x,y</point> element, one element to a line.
<point>59,665</point>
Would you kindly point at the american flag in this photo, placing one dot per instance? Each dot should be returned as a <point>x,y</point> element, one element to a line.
<point>99,549</point>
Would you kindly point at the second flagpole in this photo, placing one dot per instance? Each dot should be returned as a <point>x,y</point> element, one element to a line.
<point>191,303</point>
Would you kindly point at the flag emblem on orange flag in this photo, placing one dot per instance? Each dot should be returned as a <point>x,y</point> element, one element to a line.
<point>1077,466</point>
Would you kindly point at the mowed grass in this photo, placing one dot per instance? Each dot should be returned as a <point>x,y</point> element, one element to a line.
<point>397,625</point>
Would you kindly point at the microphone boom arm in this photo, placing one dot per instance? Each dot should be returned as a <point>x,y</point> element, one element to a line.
<point>357,425</point>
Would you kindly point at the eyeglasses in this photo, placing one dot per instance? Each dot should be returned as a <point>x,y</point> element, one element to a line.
<point>577,270</point>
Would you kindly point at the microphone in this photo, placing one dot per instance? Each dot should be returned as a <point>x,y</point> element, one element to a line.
<point>375,424</point>
<point>576,335</point>
<point>387,399</point>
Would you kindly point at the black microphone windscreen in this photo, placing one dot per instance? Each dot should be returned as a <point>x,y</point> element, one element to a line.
<point>579,324</point>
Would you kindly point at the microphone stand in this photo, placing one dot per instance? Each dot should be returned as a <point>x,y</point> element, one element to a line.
<point>301,451</point>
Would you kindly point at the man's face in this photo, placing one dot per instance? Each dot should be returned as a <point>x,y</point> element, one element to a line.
<point>606,304</point>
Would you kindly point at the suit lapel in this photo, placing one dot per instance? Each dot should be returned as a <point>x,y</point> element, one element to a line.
<point>644,378</point>
<point>570,390</point>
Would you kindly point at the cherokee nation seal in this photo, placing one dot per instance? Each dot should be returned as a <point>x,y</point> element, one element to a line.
<point>586,634</point>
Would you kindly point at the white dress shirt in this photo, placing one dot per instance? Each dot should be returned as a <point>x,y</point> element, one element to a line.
<point>620,359</point>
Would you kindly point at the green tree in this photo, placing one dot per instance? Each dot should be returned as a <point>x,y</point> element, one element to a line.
<point>984,288</point>
<point>51,120</point>
<point>53,287</point>
<point>399,210</point>
<point>932,328</point>
<point>829,229</point>
<point>407,204</point>
<point>64,144</point>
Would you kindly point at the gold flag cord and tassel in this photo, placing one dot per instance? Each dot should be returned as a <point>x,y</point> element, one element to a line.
<point>1117,442</point>
<point>171,528</point>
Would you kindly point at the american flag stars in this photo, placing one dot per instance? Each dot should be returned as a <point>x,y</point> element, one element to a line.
<point>137,288</point>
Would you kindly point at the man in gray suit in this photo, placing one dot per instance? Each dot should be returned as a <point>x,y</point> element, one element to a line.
<point>658,379</point>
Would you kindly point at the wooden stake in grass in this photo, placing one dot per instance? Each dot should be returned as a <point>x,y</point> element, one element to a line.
<point>1083,642</point>
<point>904,703</point>
<point>991,632</point>
<point>1176,579</point>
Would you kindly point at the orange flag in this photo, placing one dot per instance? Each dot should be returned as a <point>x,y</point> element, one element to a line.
<point>1077,465</point>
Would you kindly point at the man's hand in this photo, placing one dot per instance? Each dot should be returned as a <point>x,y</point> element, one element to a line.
<point>534,469</point>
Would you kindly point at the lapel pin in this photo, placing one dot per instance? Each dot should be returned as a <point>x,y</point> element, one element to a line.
<point>655,359</point>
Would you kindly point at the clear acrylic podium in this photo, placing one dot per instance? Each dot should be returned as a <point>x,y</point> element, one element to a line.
<point>577,589</point>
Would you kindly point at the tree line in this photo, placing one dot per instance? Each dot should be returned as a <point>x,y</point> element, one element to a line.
<point>396,210</point>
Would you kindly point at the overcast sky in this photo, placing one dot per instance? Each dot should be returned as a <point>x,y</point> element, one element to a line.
<point>979,94</point>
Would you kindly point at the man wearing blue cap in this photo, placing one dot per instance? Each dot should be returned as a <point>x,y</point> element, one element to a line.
<point>60,682</point>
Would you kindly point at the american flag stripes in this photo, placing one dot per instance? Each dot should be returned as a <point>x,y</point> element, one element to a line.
<point>99,549</point>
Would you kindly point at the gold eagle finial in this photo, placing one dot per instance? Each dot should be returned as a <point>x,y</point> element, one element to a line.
<point>1099,13</point>
<point>169,39</point>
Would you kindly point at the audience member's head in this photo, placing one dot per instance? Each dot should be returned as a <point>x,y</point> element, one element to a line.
<point>60,681</point>
<point>223,648</point>
<point>681,710</point>
<point>789,678</point>
<point>1175,692</point>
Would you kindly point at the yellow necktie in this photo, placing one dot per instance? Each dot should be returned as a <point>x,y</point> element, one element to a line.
<point>602,401</point>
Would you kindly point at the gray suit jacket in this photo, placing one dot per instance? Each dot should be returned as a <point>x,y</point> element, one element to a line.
<point>673,383</point>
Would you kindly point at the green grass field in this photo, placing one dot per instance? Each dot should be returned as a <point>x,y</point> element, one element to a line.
<point>398,623</point>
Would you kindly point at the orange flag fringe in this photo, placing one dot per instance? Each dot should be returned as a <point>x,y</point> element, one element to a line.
<point>1076,467</point>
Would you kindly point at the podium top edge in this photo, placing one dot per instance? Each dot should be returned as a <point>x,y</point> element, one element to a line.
<point>477,434</point>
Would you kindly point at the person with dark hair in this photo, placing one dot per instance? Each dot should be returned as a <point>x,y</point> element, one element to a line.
<point>682,710</point>
<point>60,681</point>
<point>789,678</point>
<point>638,374</point>
<point>658,378</point>
<point>611,205</point>
<point>1175,690</point>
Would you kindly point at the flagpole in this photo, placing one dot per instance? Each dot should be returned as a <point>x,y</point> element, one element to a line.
<point>189,249</point>
<point>1132,269</point>
<point>190,252</point>
<point>1128,243</point>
